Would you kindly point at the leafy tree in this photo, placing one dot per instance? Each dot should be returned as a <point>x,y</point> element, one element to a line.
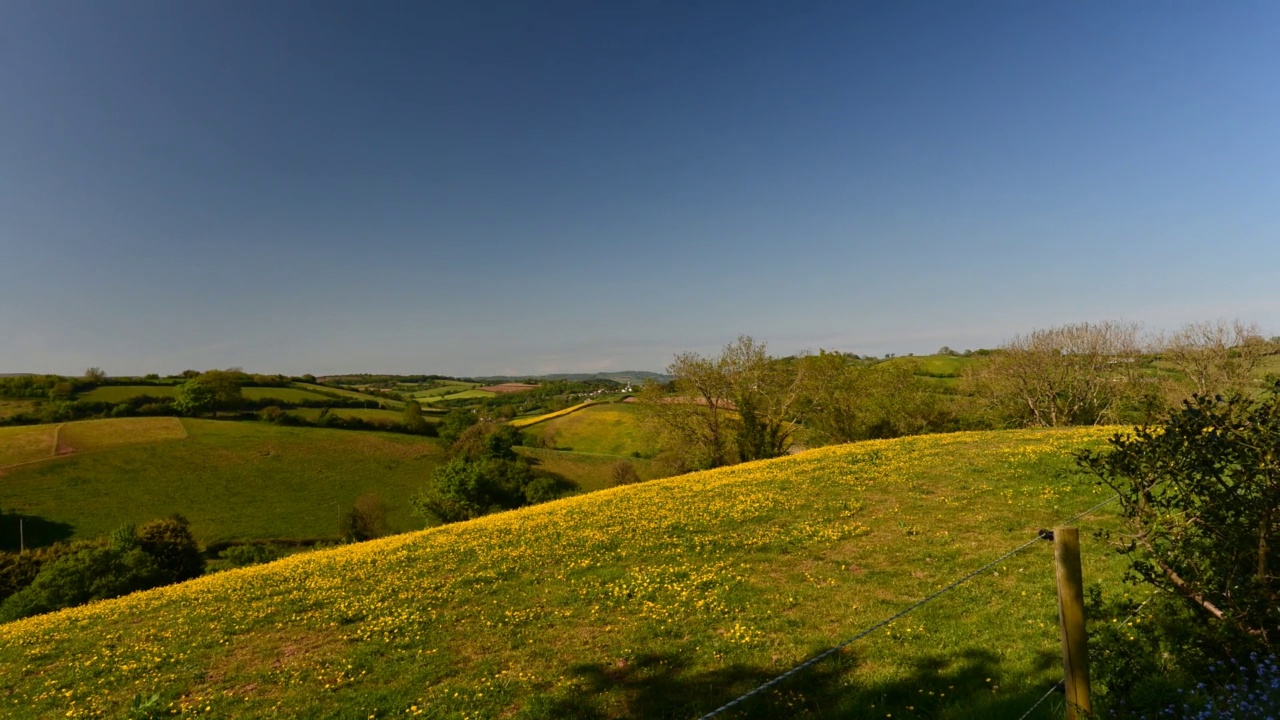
<point>194,397</point>
<point>412,418</point>
<point>92,574</point>
<point>174,548</point>
<point>366,520</point>
<point>224,388</point>
<point>456,423</point>
<point>1200,497</point>
<point>94,376</point>
<point>846,400</point>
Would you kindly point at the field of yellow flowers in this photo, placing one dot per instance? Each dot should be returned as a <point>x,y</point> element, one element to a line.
<point>663,599</point>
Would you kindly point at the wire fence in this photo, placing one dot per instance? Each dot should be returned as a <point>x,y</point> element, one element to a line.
<point>1040,536</point>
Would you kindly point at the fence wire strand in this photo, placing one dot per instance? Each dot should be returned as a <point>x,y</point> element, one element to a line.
<point>923,601</point>
<point>1056,688</point>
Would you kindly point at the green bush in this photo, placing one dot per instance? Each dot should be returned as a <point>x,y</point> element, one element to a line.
<point>249,554</point>
<point>174,548</point>
<point>92,574</point>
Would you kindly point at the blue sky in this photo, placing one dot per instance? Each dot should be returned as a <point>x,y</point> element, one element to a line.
<point>475,188</point>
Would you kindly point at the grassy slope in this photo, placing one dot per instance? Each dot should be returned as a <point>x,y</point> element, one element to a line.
<point>232,480</point>
<point>386,402</point>
<point>9,408</point>
<point>589,472</point>
<point>26,443</point>
<point>658,600</point>
<point>372,414</point>
<point>611,429</point>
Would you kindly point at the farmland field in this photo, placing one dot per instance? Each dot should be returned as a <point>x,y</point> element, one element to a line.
<point>388,417</point>
<point>232,480</point>
<point>9,408</point>
<point>588,472</point>
<point>121,393</point>
<point>463,395</point>
<point>608,429</point>
<point>448,388</point>
<point>26,443</point>
<point>321,389</point>
<point>535,419</point>
<point>94,435</point>
<point>664,599</point>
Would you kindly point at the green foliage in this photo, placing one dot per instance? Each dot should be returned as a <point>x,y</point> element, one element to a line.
<point>91,574</point>
<point>365,520</point>
<point>456,423</point>
<point>1201,498</point>
<point>249,554</point>
<point>412,417</point>
<point>466,488</point>
<point>173,546</point>
<point>194,397</point>
<point>845,400</point>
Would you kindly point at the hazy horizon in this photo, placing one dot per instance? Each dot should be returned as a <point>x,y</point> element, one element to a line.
<point>585,187</point>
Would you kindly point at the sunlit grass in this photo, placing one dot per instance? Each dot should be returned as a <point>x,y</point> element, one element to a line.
<point>664,599</point>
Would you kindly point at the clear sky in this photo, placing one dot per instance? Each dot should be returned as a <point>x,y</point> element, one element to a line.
<point>524,187</point>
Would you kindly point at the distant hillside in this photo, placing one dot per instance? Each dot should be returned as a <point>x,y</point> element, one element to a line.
<point>622,376</point>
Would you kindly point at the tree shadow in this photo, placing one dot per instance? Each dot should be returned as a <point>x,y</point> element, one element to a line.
<point>964,683</point>
<point>33,531</point>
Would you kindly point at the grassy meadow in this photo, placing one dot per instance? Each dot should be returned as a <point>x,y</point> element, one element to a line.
<point>589,472</point>
<point>23,444</point>
<point>664,599</point>
<point>606,429</point>
<point>352,394</point>
<point>232,480</point>
<point>377,415</point>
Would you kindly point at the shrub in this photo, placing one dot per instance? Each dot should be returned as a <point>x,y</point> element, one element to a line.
<point>624,473</point>
<point>249,554</point>
<point>173,546</point>
<point>366,520</point>
<point>92,574</point>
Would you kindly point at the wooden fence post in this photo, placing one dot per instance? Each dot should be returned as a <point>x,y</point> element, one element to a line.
<point>1075,648</point>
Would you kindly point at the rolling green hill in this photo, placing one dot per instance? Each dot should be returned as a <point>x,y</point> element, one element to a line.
<point>663,599</point>
<point>606,429</point>
<point>232,480</point>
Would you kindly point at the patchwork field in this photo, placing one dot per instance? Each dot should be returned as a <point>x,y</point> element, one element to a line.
<point>608,429</point>
<point>535,419</point>
<point>321,389</point>
<point>232,480</point>
<point>588,472</point>
<point>386,417</point>
<point>26,443</point>
<point>96,435</point>
<point>121,393</point>
<point>463,395</point>
<point>448,387</point>
<point>9,408</point>
<point>664,599</point>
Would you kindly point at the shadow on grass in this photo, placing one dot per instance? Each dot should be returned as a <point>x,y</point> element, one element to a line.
<point>17,529</point>
<point>963,684</point>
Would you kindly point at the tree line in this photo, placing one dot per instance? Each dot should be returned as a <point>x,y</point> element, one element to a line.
<point>745,404</point>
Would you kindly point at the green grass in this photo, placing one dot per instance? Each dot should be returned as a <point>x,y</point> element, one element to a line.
<point>388,417</point>
<point>448,387</point>
<point>664,599</point>
<point>233,480</point>
<point>321,389</point>
<point>121,393</point>
<point>26,443</point>
<point>97,435</point>
<point>610,429</point>
<point>463,395</point>
<point>285,394</point>
<point>9,408</point>
<point>588,472</point>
